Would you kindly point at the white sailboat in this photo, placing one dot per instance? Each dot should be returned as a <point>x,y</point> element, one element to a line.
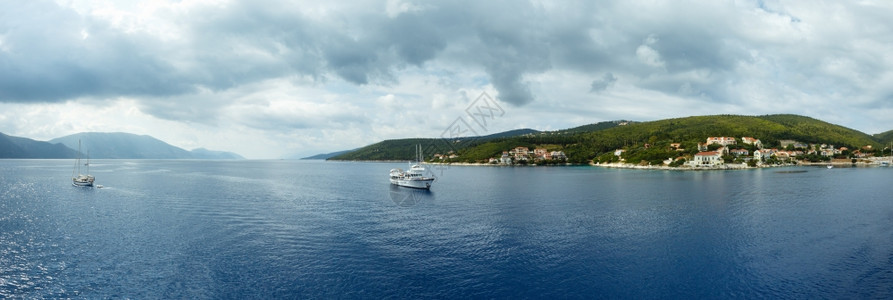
<point>415,176</point>
<point>81,179</point>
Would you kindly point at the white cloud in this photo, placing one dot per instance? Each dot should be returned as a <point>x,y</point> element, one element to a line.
<point>396,7</point>
<point>648,55</point>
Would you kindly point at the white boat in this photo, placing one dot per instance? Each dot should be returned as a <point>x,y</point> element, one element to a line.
<point>414,177</point>
<point>81,179</point>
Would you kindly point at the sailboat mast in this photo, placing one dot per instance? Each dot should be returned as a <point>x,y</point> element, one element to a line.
<point>77,163</point>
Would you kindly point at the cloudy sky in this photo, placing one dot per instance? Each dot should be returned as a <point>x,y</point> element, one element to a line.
<point>269,79</point>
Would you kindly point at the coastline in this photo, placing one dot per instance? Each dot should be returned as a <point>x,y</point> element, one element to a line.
<point>836,163</point>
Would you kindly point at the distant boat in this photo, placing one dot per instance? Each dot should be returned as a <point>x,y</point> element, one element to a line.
<point>81,179</point>
<point>415,176</point>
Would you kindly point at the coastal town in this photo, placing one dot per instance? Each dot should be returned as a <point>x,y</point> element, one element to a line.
<point>714,153</point>
<point>517,156</point>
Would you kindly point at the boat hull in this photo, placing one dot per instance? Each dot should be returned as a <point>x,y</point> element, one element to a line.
<point>82,181</point>
<point>82,184</point>
<point>414,183</point>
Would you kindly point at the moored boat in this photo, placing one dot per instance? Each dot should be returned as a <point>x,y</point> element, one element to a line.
<point>414,177</point>
<point>81,179</point>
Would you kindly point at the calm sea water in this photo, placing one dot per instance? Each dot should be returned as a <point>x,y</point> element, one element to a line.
<point>298,229</point>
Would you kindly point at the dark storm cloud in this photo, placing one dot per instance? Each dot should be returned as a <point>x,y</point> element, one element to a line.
<point>52,53</point>
<point>50,59</point>
<point>46,57</point>
<point>603,83</point>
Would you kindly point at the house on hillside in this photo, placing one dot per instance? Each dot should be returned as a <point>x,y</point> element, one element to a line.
<point>723,140</point>
<point>763,154</point>
<point>752,141</point>
<point>505,159</point>
<point>707,159</point>
<point>521,153</point>
<point>739,152</point>
<point>557,155</point>
<point>783,155</point>
<point>793,143</point>
<point>540,153</point>
<point>860,154</point>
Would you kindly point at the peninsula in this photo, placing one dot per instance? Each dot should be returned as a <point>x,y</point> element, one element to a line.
<point>698,142</point>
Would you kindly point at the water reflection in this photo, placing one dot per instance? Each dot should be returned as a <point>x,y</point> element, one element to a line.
<point>406,197</point>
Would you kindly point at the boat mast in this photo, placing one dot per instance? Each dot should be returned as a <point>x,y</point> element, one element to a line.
<point>77,162</point>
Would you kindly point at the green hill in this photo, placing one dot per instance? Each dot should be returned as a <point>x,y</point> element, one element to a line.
<point>470,149</point>
<point>582,144</point>
<point>689,131</point>
<point>404,149</point>
<point>885,137</point>
<point>769,129</point>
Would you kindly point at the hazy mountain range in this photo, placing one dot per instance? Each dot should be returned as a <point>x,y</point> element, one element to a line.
<point>103,145</point>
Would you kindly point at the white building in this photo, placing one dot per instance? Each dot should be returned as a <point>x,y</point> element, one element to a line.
<point>752,141</point>
<point>723,140</point>
<point>763,154</point>
<point>505,159</point>
<point>711,158</point>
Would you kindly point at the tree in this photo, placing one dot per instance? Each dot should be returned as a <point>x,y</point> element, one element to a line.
<point>607,158</point>
<point>677,163</point>
<point>728,158</point>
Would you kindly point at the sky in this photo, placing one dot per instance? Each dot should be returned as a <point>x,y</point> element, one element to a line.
<point>274,79</point>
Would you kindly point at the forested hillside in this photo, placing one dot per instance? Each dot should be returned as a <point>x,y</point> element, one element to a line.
<point>582,144</point>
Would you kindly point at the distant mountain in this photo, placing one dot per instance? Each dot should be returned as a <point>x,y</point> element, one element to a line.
<point>19,147</point>
<point>202,153</point>
<point>119,145</point>
<point>122,145</point>
<point>327,155</point>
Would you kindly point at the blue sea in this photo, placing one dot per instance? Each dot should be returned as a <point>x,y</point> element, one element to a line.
<point>313,229</point>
